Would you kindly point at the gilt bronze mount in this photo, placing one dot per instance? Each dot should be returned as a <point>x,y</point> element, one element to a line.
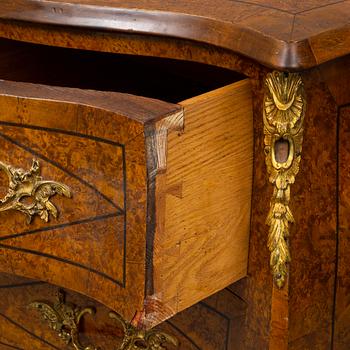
<point>64,318</point>
<point>29,185</point>
<point>137,339</point>
<point>284,111</point>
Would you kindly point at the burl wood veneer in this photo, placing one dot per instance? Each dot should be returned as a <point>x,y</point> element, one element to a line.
<point>21,328</point>
<point>205,185</point>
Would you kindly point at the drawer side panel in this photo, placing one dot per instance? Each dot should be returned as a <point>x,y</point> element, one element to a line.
<point>204,200</point>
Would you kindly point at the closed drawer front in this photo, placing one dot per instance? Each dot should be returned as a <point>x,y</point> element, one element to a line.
<point>147,203</point>
<point>22,326</point>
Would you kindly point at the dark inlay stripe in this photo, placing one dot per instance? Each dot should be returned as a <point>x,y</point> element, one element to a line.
<point>28,331</point>
<point>59,226</point>
<point>337,231</point>
<point>125,211</point>
<point>10,346</point>
<point>73,263</point>
<point>214,311</point>
<point>227,319</point>
<point>236,295</point>
<point>57,165</point>
<point>19,285</point>
<point>61,131</point>
<point>183,334</point>
<point>94,138</point>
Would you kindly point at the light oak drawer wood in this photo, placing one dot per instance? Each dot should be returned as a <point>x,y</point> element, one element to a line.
<point>203,200</point>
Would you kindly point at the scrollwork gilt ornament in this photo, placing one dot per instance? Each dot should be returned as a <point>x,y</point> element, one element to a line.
<point>64,318</point>
<point>284,111</point>
<point>138,339</point>
<point>29,185</point>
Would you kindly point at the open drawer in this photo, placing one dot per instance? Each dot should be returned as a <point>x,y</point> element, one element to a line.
<point>141,204</point>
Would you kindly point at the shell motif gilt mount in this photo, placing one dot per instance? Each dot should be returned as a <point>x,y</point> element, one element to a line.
<point>283,115</point>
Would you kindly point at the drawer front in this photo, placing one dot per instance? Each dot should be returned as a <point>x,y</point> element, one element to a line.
<point>22,326</point>
<point>74,186</point>
<point>22,323</point>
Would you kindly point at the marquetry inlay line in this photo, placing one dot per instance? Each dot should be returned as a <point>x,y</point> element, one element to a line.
<point>59,226</point>
<point>59,166</point>
<point>117,213</point>
<point>283,116</point>
<point>27,331</point>
<point>21,285</point>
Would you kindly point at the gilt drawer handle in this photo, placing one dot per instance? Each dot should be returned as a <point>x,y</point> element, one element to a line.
<point>137,339</point>
<point>64,318</point>
<point>29,193</point>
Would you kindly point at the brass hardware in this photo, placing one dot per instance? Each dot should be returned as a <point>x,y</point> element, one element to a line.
<point>284,111</point>
<point>64,318</point>
<point>30,185</point>
<point>137,339</point>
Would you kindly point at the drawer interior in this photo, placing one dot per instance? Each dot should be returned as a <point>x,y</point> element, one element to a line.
<point>165,79</point>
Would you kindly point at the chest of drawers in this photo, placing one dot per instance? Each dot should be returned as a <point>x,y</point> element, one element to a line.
<point>182,165</point>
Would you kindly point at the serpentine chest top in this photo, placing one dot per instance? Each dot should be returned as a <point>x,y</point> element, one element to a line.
<point>155,154</point>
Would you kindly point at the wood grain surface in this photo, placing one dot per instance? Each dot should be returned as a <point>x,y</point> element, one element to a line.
<point>301,315</point>
<point>203,212</point>
<point>100,155</point>
<point>208,325</point>
<point>139,109</point>
<point>313,238</point>
<point>284,35</point>
<point>253,330</point>
<point>336,75</point>
<point>342,306</point>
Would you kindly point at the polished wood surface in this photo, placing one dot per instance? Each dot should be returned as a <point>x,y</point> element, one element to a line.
<point>336,75</point>
<point>208,325</point>
<point>313,239</point>
<point>90,237</point>
<point>205,196</point>
<point>139,109</point>
<point>300,316</point>
<point>284,35</point>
